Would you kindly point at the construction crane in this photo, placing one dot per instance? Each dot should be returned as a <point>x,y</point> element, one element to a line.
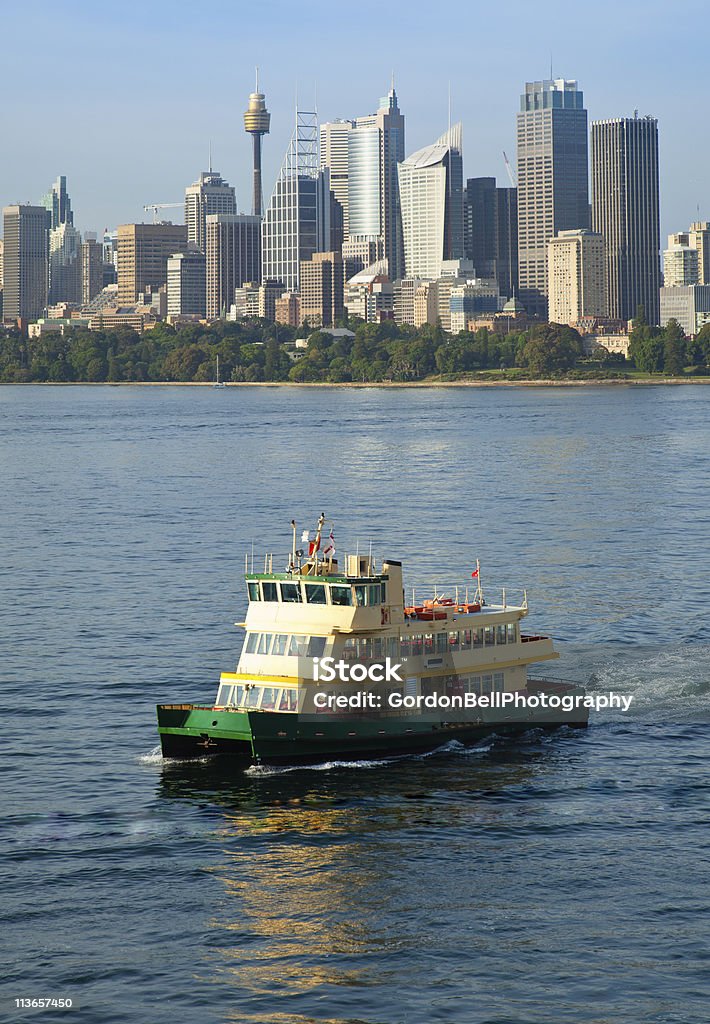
<point>161,206</point>
<point>509,169</point>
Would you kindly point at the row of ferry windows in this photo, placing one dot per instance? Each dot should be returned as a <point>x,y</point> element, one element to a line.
<point>277,698</point>
<point>364,648</point>
<point>490,683</point>
<point>267,698</point>
<point>339,594</point>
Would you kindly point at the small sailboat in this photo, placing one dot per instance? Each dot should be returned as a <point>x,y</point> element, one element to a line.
<point>218,383</point>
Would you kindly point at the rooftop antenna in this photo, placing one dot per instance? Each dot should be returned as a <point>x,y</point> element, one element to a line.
<point>449,109</point>
<point>256,86</point>
<point>551,78</point>
<point>210,156</point>
<point>392,86</point>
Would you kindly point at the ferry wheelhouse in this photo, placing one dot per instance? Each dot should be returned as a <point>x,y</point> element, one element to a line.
<point>277,707</point>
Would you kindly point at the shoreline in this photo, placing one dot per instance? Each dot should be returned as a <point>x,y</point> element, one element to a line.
<point>544,383</point>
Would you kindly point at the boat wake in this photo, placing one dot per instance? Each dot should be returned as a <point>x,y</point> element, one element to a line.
<point>676,679</point>
<point>265,770</point>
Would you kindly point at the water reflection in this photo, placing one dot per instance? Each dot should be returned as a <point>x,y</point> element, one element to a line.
<point>331,881</point>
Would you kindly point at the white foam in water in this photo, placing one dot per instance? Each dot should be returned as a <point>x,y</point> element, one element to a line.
<point>260,770</point>
<point>675,678</point>
<point>155,757</point>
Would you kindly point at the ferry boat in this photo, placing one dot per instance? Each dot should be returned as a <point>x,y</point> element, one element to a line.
<point>410,677</point>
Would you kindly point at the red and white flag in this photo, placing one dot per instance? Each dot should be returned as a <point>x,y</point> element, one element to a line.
<point>474,574</point>
<point>329,549</point>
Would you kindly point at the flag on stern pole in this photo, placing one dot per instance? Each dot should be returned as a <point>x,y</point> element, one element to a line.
<point>474,574</point>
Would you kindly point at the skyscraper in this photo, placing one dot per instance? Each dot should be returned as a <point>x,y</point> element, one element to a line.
<point>491,232</point>
<point>625,211</point>
<point>143,251</point>
<point>64,245</point>
<point>375,148</point>
<point>553,178</point>
<point>58,203</point>
<point>297,220</point>
<point>576,277</point>
<point>257,121</point>
<point>696,237</point>
<point>186,283</point>
<point>25,261</point>
<point>431,202</point>
<point>233,258</point>
<point>334,155</point>
<point>92,270</point>
<point>209,195</point>
<point>322,285</point>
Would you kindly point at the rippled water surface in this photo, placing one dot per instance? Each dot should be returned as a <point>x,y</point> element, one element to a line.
<point>554,880</point>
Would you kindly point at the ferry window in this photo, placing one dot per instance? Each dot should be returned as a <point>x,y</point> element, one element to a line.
<point>288,700</point>
<point>498,678</point>
<point>341,595</point>
<point>488,635</point>
<point>465,639</point>
<point>269,699</point>
<point>364,649</point>
<point>269,591</point>
<point>478,638</point>
<point>253,589</point>
<point>297,645</point>
<point>512,633</point>
<point>290,593</point>
<point>374,595</point>
<point>392,646</point>
<point>474,684</point>
<point>253,696</point>
<point>417,643</point>
<point>405,647</point>
<point>360,596</point>
<point>350,650</point>
<point>280,641</point>
<point>315,593</point>
<point>501,633</point>
<point>486,684</point>
<point>377,647</point>
<point>223,696</point>
<point>453,641</point>
<point>264,643</point>
<point>238,695</point>
<point>442,640</point>
<point>252,640</point>
<point>316,646</point>
<point>428,643</point>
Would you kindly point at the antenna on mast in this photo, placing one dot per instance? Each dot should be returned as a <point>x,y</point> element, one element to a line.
<point>210,156</point>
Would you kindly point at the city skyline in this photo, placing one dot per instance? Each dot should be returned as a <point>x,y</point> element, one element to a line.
<point>170,147</point>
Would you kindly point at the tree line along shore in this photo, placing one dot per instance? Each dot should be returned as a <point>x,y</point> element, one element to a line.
<point>256,351</point>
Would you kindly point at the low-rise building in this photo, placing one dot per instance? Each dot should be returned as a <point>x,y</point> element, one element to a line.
<point>690,306</point>
<point>287,309</point>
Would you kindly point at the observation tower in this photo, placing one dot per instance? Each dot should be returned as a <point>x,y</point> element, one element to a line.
<point>256,122</point>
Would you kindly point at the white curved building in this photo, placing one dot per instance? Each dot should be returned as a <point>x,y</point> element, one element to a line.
<point>431,201</point>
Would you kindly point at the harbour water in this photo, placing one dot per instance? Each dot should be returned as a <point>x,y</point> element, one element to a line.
<point>560,878</point>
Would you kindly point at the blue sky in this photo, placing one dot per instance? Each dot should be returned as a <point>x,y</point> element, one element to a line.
<point>124,98</point>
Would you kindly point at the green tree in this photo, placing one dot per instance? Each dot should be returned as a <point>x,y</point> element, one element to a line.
<point>674,349</point>
<point>551,348</point>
